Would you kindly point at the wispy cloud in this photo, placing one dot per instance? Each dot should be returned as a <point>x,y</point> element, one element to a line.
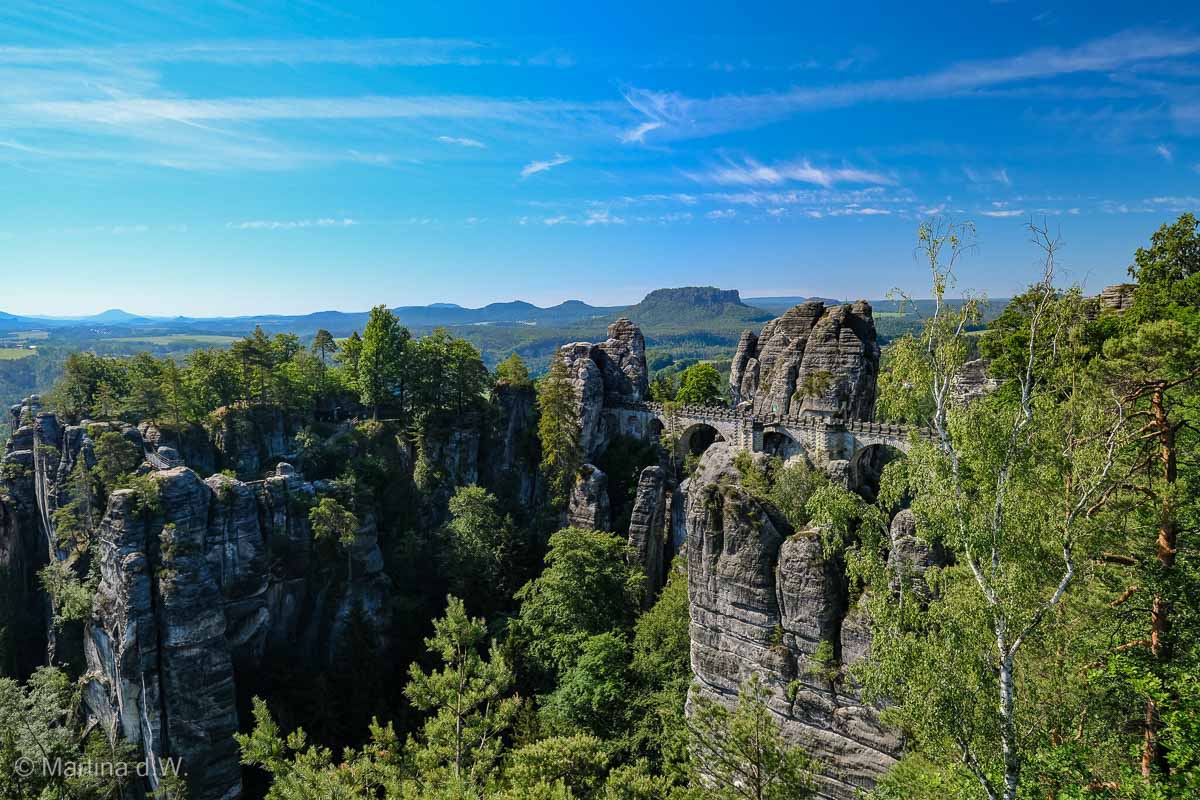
<point>752,173</point>
<point>534,167</point>
<point>405,52</point>
<point>638,134</point>
<point>721,213</point>
<point>987,175</point>
<point>291,224</point>
<point>462,141</point>
<point>1003,212</point>
<point>1165,152</point>
<point>683,116</point>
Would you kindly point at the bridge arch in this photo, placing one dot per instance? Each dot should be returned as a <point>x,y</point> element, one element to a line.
<point>867,464</point>
<point>780,442</point>
<point>696,438</point>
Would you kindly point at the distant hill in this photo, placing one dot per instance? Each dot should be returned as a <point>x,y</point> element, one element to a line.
<point>694,306</point>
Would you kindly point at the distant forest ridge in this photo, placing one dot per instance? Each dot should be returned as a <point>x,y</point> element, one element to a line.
<point>693,303</point>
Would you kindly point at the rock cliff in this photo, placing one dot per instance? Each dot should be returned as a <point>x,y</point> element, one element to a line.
<point>611,372</point>
<point>766,600</point>
<point>199,585</point>
<point>812,359</point>
<point>650,548</point>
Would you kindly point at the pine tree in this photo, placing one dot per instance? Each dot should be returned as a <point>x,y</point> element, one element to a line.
<point>468,699</point>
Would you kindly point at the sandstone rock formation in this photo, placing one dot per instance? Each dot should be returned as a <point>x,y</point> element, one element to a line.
<point>647,531</point>
<point>588,507</point>
<point>910,556</point>
<point>1117,298</point>
<point>196,591</point>
<point>812,359</point>
<point>766,600</point>
<point>611,373</point>
<point>971,381</point>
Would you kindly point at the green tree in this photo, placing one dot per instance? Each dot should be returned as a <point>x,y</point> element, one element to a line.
<point>1010,483</point>
<point>700,385</point>
<point>41,723</point>
<point>301,770</point>
<point>144,396</point>
<point>742,753</point>
<point>513,372</point>
<point>480,540</point>
<point>350,356</point>
<point>587,588</point>
<point>1153,359</point>
<point>577,762</point>
<point>558,431</point>
<point>468,701</point>
<point>332,521</point>
<point>116,458</point>
<point>324,345</point>
<point>381,360</point>
<point>592,695</point>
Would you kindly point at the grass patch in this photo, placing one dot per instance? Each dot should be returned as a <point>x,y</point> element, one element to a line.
<point>176,338</point>
<point>15,353</point>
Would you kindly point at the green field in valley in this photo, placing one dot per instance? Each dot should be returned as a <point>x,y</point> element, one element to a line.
<point>197,340</point>
<point>15,353</point>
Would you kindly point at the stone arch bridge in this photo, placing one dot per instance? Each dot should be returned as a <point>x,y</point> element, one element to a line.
<point>823,439</point>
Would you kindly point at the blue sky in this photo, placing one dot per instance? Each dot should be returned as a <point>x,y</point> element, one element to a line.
<point>234,157</point>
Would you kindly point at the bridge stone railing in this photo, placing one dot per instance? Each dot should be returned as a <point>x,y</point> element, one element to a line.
<point>830,435</point>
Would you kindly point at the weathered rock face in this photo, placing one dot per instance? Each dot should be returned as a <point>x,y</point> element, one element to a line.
<point>160,667</point>
<point>831,351</point>
<point>588,507</point>
<point>765,600</point>
<point>972,381</point>
<point>192,443</point>
<point>248,440</point>
<point>647,530</point>
<point>1117,298</point>
<point>23,551</point>
<point>611,372</point>
<point>510,458</point>
<point>910,556</point>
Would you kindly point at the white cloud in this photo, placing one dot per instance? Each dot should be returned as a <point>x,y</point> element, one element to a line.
<point>534,167</point>
<point>721,213</point>
<point>1165,152</point>
<point>858,211</point>
<point>752,173</point>
<point>602,218</point>
<point>933,211</point>
<point>1003,212</point>
<point>410,52</point>
<point>461,140</point>
<point>987,176</point>
<point>638,134</point>
<point>291,224</point>
<point>684,116</point>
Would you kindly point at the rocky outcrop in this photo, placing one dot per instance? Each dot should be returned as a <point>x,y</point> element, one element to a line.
<point>812,359</point>
<point>608,373</point>
<point>588,506</point>
<point>510,459</point>
<point>910,556</point>
<point>1117,298</point>
<point>972,381</point>
<point>160,673</point>
<point>250,439</point>
<point>648,541</point>
<point>767,600</point>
